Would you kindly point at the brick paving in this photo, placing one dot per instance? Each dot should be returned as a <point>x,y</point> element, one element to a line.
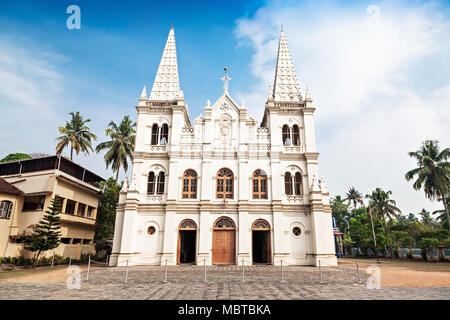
<point>223,282</point>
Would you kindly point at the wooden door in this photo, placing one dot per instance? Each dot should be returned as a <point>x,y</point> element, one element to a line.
<point>224,246</point>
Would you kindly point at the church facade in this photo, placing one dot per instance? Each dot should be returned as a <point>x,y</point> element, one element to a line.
<point>223,189</point>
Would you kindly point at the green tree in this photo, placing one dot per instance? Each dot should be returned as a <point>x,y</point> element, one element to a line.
<point>433,172</point>
<point>15,157</point>
<point>106,213</point>
<point>361,229</point>
<point>46,235</point>
<point>121,145</point>
<point>339,211</point>
<point>76,134</point>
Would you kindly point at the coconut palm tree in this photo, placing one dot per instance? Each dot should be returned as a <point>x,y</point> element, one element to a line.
<point>354,197</point>
<point>76,134</point>
<point>121,145</point>
<point>442,215</point>
<point>382,206</point>
<point>433,172</point>
<point>427,219</point>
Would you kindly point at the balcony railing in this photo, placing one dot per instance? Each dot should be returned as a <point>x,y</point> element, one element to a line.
<point>294,149</point>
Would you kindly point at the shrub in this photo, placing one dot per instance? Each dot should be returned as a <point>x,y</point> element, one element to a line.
<point>406,241</point>
<point>428,243</point>
<point>396,254</point>
<point>446,243</point>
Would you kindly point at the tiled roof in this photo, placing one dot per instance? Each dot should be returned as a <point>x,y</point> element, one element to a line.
<point>6,187</point>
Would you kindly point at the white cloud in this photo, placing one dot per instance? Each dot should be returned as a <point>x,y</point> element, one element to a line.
<point>36,94</point>
<point>379,92</point>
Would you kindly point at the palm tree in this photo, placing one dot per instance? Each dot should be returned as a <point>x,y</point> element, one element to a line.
<point>354,196</point>
<point>433,172</point>
<point>76,134</point>
<point>427,219</point>
<point>382,206</point>
<point>442,215</point>
<point>120,146</point>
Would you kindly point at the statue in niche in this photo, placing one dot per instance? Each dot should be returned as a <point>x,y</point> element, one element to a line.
<point>225,130</point>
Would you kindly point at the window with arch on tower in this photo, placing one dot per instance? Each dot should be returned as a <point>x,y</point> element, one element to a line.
<point>291,136</point>
<point>293,184</point>
<point>160,135</point>
<point>259,181</point>
<point>156,183</point>
<point>288,183</point>
<point>189,185</point>
<point>224,184</point>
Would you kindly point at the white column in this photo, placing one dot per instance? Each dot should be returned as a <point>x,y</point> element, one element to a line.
<point>169,244</point>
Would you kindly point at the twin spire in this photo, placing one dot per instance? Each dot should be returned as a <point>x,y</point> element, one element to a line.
<point>166,86</point>
<point>285,85</point>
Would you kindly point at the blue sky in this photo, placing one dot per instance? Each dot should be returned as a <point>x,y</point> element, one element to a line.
<point>380,89</point>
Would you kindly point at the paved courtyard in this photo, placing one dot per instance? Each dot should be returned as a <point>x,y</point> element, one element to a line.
<point>223,282</point>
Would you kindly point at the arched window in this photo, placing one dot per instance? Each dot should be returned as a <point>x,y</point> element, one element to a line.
<point>259,185</point>
<point>298,183</point>
<point>224,223</point>
<point>160,184</point>
<point>224,185</point>
<point>6,209</point>
<point>288,183</point>
<point>155,132</point>
<point>187,224</point>
<point>286,136</point>
<point>295,135</point>
<point>164,134</point>
<point>189,185</point>
<point>151,183</point>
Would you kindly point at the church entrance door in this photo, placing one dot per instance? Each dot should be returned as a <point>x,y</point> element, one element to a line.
<point>261,242</point>
<point>224,242</point>
<point>187,239</point>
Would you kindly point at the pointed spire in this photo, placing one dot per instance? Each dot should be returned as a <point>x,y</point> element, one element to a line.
<point>144,93</point>
<point>285,85</point>
<point>124,185</point>
<point>166,86</point>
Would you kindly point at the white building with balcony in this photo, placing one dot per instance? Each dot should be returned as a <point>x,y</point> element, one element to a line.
<point>224,189</point>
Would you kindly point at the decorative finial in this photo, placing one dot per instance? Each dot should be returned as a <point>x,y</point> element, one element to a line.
<point>208,103</point>
<point>307,95</point>
<point>225,80</point>
<point>171,25</point>
<point>281,27</point>
<point>322,185</point>
<point>243,103</point>
<point>144,93</point>
<point>270,93</point>
<point>124,185</point>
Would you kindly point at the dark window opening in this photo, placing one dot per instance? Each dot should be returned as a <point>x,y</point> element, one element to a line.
<point>70,207</point>
<point>151,183</point>
<point>33,203</point>
<point>161,180</point>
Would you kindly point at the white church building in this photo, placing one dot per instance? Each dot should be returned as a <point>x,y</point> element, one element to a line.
<point>223,189</point>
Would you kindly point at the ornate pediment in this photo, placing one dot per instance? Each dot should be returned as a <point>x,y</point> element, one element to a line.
<point>225,104</point>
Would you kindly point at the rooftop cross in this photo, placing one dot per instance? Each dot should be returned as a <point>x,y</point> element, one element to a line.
<point>225,80</point>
